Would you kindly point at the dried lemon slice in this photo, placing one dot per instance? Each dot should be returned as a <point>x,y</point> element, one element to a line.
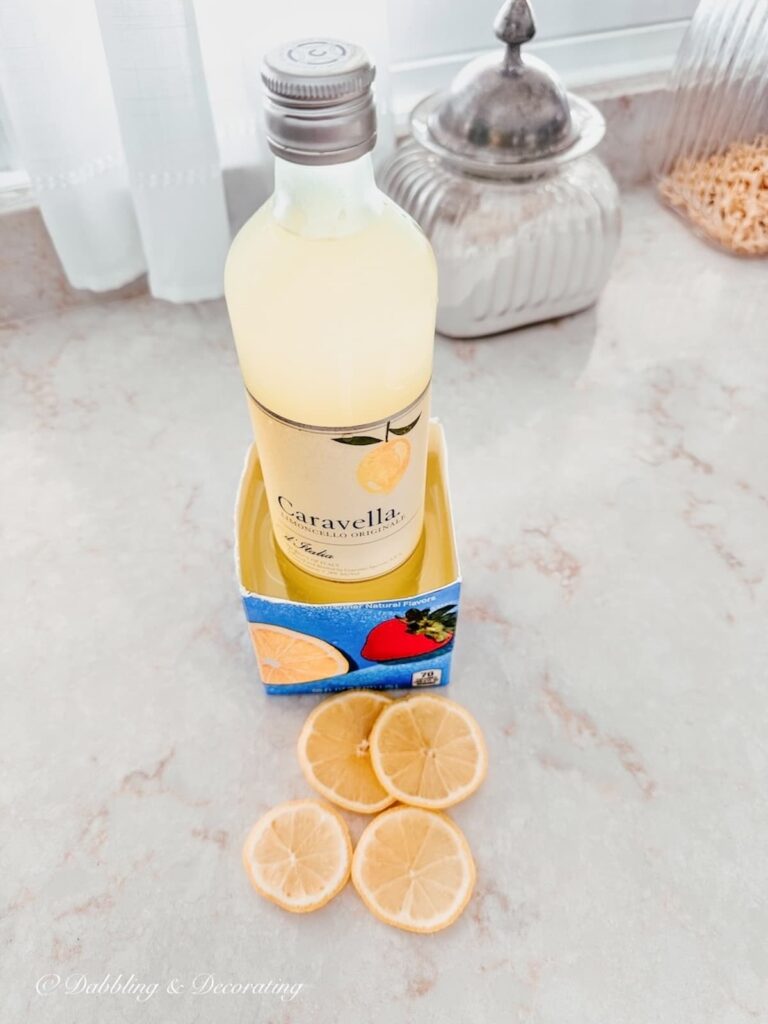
<point>298,855</point>
<point>286,656</point>
<point>428,751</point>
<point>334,753</point>
<point>413,869</point>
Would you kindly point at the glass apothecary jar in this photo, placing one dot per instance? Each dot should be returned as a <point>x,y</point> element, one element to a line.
<point>500,174</point>
<point>710,158</point>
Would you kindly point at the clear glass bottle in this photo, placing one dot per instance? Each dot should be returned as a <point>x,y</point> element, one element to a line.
<point>332,291</point>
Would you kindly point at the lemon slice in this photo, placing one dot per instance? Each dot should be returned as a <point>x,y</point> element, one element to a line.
<point>413,869</point>
<point>298,855</point>
<point>286,656</point>
<point>334,755</point>
<point>428,751</point>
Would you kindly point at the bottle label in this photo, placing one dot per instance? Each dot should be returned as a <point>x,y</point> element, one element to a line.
<point>347,503</point>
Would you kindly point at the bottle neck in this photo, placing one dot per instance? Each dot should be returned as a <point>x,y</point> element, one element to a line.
<point>326,201</point>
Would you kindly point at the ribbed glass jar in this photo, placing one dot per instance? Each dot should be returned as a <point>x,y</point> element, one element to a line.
<point>512,251</point>
<point>710,157</point>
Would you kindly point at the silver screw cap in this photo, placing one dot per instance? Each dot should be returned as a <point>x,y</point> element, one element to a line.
<point>318,101</point>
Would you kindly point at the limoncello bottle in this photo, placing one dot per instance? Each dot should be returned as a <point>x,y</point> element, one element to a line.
<point>332,291</point>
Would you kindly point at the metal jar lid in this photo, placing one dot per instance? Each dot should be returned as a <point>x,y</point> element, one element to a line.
<point>318,101</point>
<point>507,114</point>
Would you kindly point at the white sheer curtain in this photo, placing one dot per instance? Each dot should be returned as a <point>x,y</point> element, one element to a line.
<point>139,123</point>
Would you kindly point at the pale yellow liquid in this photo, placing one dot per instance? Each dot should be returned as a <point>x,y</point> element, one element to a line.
<point>265,571</point>
<point>332,328</point>
<point>332,290</point>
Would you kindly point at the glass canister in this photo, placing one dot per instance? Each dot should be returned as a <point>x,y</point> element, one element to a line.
<point>711,151</point>
<point>500,174</point>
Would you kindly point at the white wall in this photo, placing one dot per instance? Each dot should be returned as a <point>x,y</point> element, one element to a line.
<point>432,28</point>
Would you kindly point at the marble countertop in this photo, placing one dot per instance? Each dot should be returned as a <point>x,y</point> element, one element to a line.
<point>610,482</point>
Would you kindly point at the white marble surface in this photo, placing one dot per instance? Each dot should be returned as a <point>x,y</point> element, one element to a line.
<point>611,490</point>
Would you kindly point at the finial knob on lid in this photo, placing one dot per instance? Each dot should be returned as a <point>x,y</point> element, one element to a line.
<point>514,23</point>
<point>508,111</point>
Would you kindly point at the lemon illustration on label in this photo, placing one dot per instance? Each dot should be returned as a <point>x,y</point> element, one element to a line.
<point>381,470</point>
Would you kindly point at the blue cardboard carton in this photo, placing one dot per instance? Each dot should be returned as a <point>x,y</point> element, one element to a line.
<point>317,636</point>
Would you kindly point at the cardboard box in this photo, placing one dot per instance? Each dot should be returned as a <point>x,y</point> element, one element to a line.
<point>297,620</point>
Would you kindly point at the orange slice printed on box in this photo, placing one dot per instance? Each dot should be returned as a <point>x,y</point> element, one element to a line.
<point>413,869</point>
<point>286,656</point>
<point>298,855</point>
<point>334,751</point>
<point>428,751</point>
<point>382,469</point>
